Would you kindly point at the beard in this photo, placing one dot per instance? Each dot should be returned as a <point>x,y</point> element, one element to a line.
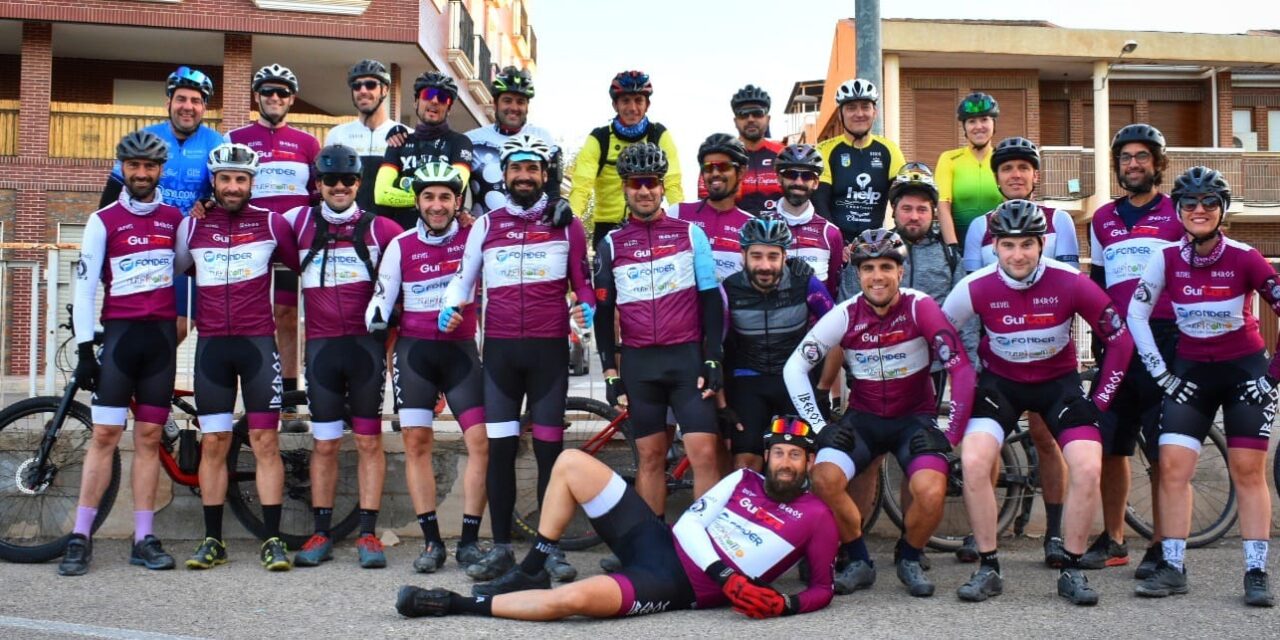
<point>784,490</point>
<point>755,276</point>
<point>525,198</point>
<point>797,197</point>
<point>1144,184</point>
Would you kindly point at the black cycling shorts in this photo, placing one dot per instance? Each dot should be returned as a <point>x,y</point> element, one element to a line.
<point>1136,405</point>
<point>426,368</point>
<point>1247,425</point>
<point>660,377</point>
<point>1069,415</point>
<point>756,400</point>
<point>877,436</point>
<point>345,375</point>
<point>652,578</point>
<point>516,368</point>
<point>138,360</point>
<point>220,362</point>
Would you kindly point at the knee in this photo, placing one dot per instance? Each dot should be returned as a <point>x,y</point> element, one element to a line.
<point>975,462</point>
<point>365,445</point>
<point>571,460</point>
<point>265,445</point>
<point>930,492</point>
<point>215,444</point>
<point>828,480</point>
<point>1249,475</point>
<point>1087,472</point>
<point>327,448</point>
<point>418,447</point>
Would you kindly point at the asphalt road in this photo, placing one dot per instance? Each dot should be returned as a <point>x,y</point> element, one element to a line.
<point>339,600</point>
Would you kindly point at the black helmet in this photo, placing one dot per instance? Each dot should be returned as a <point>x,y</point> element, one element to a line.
<point>770,231</point>
<point>914,177</point>
<point>1140,132</point>
<point>792,430</point>
<point>369,69</point>
<point>799,156</point>
<point>186,77</point>
<point>275,73</point>
<point>724,143</point>
<point>642,159</point>
<point>1015,148</point>
<point>976,105</point>
<point>630,82</point>
<point>1203,181</point>
<point>1017,218</point>
<point>142,145</point>
<point>435,80</point>
<point>338,159</point>
<point>750,94</point>
<point>512,80</point>
<point>878,243</point>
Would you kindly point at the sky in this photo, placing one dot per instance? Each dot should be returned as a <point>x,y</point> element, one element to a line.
<point>699,52</point>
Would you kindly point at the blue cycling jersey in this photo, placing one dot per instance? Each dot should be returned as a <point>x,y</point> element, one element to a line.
<point>186,176</point>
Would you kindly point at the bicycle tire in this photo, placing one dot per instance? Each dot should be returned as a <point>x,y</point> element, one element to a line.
<point>584,417</point>
<point>1214,507</point>
<point>29,519</point>
<point>297,518</point>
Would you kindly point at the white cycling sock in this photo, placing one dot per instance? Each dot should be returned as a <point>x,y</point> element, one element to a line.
<point>1255,555</point>
<point>1175,549</point>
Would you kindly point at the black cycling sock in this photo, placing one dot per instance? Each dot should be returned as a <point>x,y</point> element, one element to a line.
<point>542,547</point>
<point>908,552</point>
<point>500,480</point>
<point>324,520</point>
<point>470,529</point>
<point>290,384</point>
<point>990,559</point>
<point>213,521</point>
<point>430,527</point>
<point>271,518</point>
<point>545,453</point>
<point>478,605</point>
<point>857,550</point>
<point>1073,559</point>
<point>368,521</point>
<point>1052,520</point>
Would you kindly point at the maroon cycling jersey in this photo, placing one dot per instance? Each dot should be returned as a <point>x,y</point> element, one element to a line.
<point>416,270</point>
<point>286,165</point>
<point>1212,299</point>
<point>723,230</point>
<point>1028,324</point>
<point>336,284</point>
<point>759,189</point>
<point>1123,252</point>
<point>232,255</point>
<point>819,243</point>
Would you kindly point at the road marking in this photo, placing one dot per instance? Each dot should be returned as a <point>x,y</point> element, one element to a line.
<point>88,631</point>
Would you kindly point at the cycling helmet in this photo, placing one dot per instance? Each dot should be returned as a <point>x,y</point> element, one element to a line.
<point>524,147</point>
<point>1015,148</point>
<point>369,69</point>
<point>1017,218</point>
<point>770,231</point>
<point>1143,133</point>
<point>142,145</point>
<point>230,156</point>
<point>790,430</point>
<point>186,77</point>
<point>877,243</point>
<point>857,89</point>
<point>512,80</point>
<point>724,143</point>
<point>435,80</point>
<point>275,73</point>
<point>799,156</point>
<point>976,105</point>
<point>750,94</point>
<point>630,82</point>
<point>1203,181</point>
<point>441,173</point>
<point>914,177</point>
<point>338,159</point>
<point>642,159</point>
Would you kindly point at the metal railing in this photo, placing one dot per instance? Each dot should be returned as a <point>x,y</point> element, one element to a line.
<point>8,127</point>
<point>484,68</point>
<point>533,44</point>
<point>1254,176</point>
<point>461,30</point>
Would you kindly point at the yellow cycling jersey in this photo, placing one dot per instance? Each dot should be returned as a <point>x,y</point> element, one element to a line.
<point>968,184</point>
<point>590,177</point>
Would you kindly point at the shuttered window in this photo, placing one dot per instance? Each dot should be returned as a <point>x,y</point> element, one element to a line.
<point>1180,122</point>
<point>1121,115</point>
<point>936,128</point>
<point>1013,112</point>
<point>1055,123</point>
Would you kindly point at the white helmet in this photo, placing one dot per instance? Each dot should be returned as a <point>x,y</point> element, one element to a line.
<point>524,144</point>
<point>857,89</point>
<point>275,73</point>
<point>231,156</point>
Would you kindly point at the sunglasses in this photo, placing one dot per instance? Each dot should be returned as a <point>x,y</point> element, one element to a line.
<point>367,85</point>
<point>798,174</point>
<point>1142,157</point>
<point>791,426</point>
<point>643,182</point>
<point>332,179</point>
<point>276,92</point>
<point>722,167</point>
<point>432,94</point>
<point>977,107</point>
<point>1210,203</point>
<point>751,113</point>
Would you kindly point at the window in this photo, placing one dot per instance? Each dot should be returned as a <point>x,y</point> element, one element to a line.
<point>1273,130</point>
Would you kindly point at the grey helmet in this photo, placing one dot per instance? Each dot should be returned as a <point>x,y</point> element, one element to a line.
<point>142,145</point>
<point>642,159</point>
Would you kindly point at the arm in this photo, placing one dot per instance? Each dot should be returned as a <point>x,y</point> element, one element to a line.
<point>1150,286</point>
<point>819,299</point>
<point>691,529</point>
<point>555,174</point>
<point>1068,246</point>
<point>813,349</point>
<point>1094,305</point>
<point>821,197</point>
<point>387,291</point>
<point>704,270</point>
<point>820,551</point>
<point>606,305</point>
<point>286,252</point>
<point>579,275</point>
<point>1263,278</point>
<point>972,260</point>
<point>386,191</point>
<point>942,175</point>
<point>462,287</point>
<point>949,349</point>
<point>182,260</point>
<point>835,263</point>
<point>675,190</point>
<point>1097,270</point>
<point>461,158</point>
<point>584,175</point>
<point>968,332</point>
<point>93,255</point>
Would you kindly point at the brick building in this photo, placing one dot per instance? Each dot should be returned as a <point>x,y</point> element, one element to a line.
<point>75,75</point>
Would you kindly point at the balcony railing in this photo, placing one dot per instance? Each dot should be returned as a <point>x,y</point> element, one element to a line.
<point>533,43</point>
<point>8,127</point>
<point>461,50</point>
<point>1254,177</point>
<point>484,67</point>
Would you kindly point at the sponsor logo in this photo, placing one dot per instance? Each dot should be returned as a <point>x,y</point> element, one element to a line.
<point>129,264</point>
<point>873,358</point>
<point>644,608</point>
<point>1188,314</point>
<point>503,255</point>
<point>999,304</point>
<point>762,516</point>
<point>811,351</point>
<point>726,244</point>
<point>1046,300</point>
<point>1219,291</point>
<point>213,256</point>
<point>664,250</point>
<point>1222,274</point>
<point>1111,253</point>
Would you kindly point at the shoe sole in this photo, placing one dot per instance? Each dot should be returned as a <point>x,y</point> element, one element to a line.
<point>375,564</point>
<point>303,561</point>
<point>139,562</point>
<point>72,573</point>
<point>1268,602</point>
<point>278,565</point>
<point>568,577</point>
<point>981,596</point>
<point>1162,593</point>
<point>196,564</point>
<point>1086,602</point>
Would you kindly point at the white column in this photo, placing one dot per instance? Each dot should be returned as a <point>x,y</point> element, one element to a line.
<point>1101,137</point>
<point>892,101</point>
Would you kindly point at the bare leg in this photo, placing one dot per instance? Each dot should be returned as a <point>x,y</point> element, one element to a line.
<point>1084,462</point>
<point>1177,466</point>
<point>928,490</point>
<point>96,474</point>
<point>1249,473</point>
<point>270,469</point>
<point>651,482</point>
<point>977,455</point>
<point>1115,494</point>
<point>863,486</point>
<point>701,449</point>
<point>324,473</point>
<point>597,597</point>
<point>474,495</point>
<point>146,464</point>
<point>829,484</point>
<point>372,470</point>
<point>1053,468</point>
<point>213,468</point>
<point>419,472</point>
<point>748,461</point>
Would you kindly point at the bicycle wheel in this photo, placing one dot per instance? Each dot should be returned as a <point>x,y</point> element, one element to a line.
<point>1213,510</point>
<point>297,519</point>
<point>584,418</point>
<point>1011,485</point>
<point>36,520</point>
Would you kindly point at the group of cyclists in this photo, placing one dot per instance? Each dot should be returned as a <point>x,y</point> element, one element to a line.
<point>791,333</point>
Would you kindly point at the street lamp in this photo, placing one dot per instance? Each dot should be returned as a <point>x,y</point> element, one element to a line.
<point>1129,47</point>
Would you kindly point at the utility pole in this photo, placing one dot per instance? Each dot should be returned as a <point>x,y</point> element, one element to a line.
<point>867,37</point>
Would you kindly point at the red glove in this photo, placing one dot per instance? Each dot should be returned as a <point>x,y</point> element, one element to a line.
<point>754,600</point>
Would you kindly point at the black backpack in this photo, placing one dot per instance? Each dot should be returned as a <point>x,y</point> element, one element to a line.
<point>323,236</point>
<point>603,135</point>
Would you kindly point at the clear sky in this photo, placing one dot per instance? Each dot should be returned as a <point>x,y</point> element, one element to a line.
<point>699,52</point>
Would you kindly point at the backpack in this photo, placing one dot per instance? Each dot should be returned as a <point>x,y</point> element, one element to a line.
<point>323,236</point>
<point>603,135</point>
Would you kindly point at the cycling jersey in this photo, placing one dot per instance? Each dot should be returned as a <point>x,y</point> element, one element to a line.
<point>818,243</point>
<point>401,162</point>
<point>336,284</point>
<point>722,229</point>
<point>232,255</point>
<point>968,184</point>
<point>1060,243</point>
<point>889,358</point>
<point>286,165</point>
<point>488,187</point>
<point>758,188</point>
<point>1123,251</point>
<point>419,266</point>
<point>371,146</point>
<point>590,178</point>
<point>765,327</point>
<point>528,268</point>
<point>185,179</point>
<point>854,186</point>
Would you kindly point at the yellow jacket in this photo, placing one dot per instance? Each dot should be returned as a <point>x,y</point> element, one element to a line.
<point>589,177</point>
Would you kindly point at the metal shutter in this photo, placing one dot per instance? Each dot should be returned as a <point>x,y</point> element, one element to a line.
<point>936,129</point>
<point>1180,123</point>
<point>1121,115</point>
<point>1055,123</point>
<point>1013,112</point>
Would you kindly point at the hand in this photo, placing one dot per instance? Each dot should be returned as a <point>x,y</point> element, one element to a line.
<point>558,213</point>
<point>614,391</point>
<point>1181,391</point>
<point>465,219</point>
<point>751,599</point>
<point>712,378</point>
<point>729,421</point>
<point>201,208</point>
<point>87,369</point>
<point>1259,392</point>
<point>582,315</point>
<point>823,398</point>
<point>397,135</point>
<point>450,318</point>
<point>839,435</point>
<point>377,323</point>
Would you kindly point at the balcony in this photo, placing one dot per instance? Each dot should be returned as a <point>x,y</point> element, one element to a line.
<point>461,49</point>
<point>8,127</point>
<point>479,85</point>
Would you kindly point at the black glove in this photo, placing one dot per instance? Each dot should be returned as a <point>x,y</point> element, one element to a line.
<point>396,130</point>
<point>613,390</point>
<point>712,376</point>
<point>728,419</point>
<point>931,440</point>
<point>1260,391</point>
<point>839,435</point>
<point>87,369</point>
<point>558,213</point>
<point>1182,391</point>
<point>823,398</point>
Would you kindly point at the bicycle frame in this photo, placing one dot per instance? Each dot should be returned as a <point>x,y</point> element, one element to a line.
<point>41,473</point>
<point>599,440</point>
